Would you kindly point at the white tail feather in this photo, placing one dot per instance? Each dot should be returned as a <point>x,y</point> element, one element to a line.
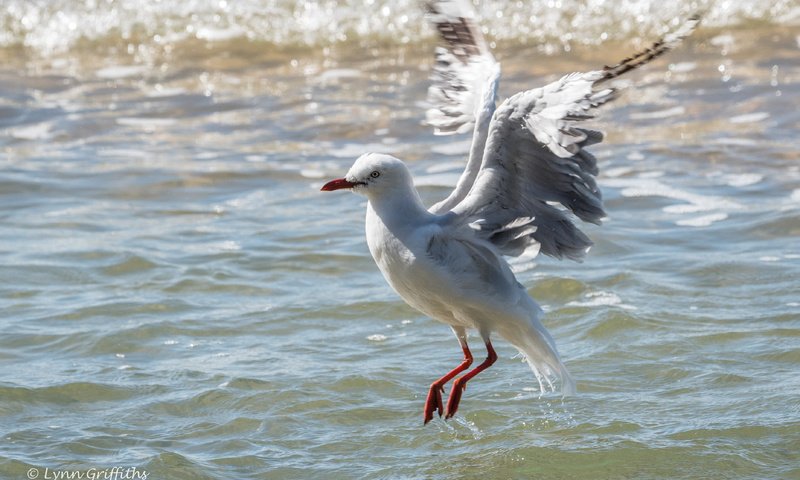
<point>539,349</point>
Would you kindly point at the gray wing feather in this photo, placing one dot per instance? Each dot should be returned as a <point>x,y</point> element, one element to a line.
<point>464,87</point>
<point>463,65</point>
<point>527,193</point>
<point>536,174</point>
<point>471,263</point>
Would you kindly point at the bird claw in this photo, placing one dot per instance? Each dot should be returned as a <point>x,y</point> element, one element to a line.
<point>434,402</point>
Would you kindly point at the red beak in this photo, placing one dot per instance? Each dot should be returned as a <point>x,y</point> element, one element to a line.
<point>337,184</point>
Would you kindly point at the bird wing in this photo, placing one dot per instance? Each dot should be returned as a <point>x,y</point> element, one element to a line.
<point>463,92</point>
<point>536,172</point>
<point>471,263</point>
<point>462,69</point>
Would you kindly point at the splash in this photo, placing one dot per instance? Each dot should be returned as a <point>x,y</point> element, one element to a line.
<point>50,27</point>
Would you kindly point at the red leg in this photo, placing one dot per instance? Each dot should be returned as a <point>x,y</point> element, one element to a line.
<point>434,401</point>
<point>461,382</point>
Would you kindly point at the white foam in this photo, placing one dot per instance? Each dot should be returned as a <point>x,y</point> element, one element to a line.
<point>694,203</point>
<point>120,71</point>
<point>652,174</point>
<point>312,173</point>
<point>702,221</point>
<point>683,67</point>
<point>377,337</point>
<point>336,74</point>
<point>452,148</point>
<point>220,34</point>
<point>600,299</point>
<point>723,40</point>
<point>251,201</point>
<point>437,180</point>
<point>229,245</point>
<point>683,208</point>
<point>522,267</point>
<point>355,150</point>
<point>37,131</point>
<point>146,122</point>
<point>445,166</point>
<point>666,113</point>
<point>52,27</point>
<point>740,142</point>
<point>617,172</point>
<point>648,187</point>
<point>160,91</point>
<point>754,117</point>
<point>122,153</point>
<point>743,179</point>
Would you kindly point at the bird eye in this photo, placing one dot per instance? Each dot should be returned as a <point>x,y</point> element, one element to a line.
<point>375,174</point>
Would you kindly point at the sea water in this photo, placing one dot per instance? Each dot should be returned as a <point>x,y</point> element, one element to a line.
<point>180,299</point>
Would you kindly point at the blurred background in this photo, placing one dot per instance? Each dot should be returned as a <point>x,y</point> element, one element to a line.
<point>177,296</point>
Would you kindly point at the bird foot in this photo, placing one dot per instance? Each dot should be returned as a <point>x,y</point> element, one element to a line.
<point>434,402</point>
<point>455,397</point>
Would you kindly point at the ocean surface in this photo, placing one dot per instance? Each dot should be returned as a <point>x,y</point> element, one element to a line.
<point>179,301</point>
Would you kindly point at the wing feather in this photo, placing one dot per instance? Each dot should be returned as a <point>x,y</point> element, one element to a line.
<point>463,93</point>
<point>462,68</point>
<point>536,174</point>
<point>470,262</point>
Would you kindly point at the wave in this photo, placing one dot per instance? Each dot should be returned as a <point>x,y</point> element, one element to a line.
<point>53,27</point>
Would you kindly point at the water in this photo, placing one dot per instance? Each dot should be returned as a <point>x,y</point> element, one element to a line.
<point>178,297</point>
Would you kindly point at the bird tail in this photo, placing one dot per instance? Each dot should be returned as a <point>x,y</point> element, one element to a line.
<point>535,343</point>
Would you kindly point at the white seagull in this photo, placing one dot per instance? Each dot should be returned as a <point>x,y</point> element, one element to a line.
<point>527,176</point>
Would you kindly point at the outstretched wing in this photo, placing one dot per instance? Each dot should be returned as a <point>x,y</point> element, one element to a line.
<point>464,86</point>
<point>536,172</point>
<point>462,69</point>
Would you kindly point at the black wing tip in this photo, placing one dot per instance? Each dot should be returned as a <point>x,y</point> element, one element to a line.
<point>658,48</point>
<point>457,32</point>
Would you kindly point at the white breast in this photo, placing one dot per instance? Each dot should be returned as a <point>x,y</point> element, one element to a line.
<point>404,265</point>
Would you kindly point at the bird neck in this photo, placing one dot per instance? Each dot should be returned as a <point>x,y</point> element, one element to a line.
<point>399,208</point>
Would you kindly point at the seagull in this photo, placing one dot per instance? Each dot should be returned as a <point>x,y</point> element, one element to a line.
<point>528,176</point>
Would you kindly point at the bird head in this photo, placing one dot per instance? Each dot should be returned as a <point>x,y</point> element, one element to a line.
<point>373,174</point>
